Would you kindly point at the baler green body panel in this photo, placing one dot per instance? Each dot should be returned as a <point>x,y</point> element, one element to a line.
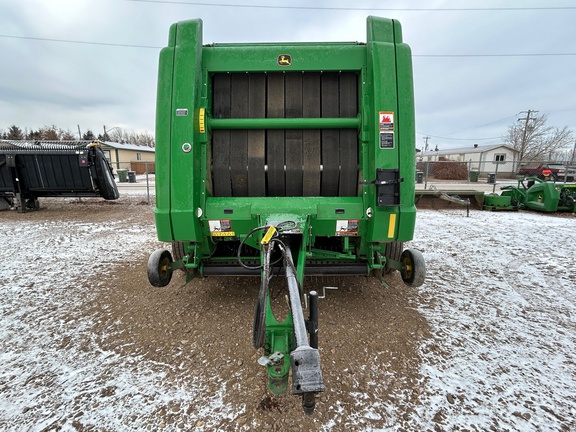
<point>187,153</point>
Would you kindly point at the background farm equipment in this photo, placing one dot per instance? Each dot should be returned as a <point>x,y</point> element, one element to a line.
<point>495,202</point>
<point>286,159</point>
<point>33,169</point>
<point>536,194</point>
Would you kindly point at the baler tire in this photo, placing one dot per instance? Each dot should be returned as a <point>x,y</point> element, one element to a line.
<point>158,269</point>
<point>178,252</point>
<point>414,267</point>
<point>393,252</point>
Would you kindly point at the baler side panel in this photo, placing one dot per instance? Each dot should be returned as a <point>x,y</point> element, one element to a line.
<point>387,66</point>
<point>406,136</point>
<point>163,141</point>
<point>187,182</point>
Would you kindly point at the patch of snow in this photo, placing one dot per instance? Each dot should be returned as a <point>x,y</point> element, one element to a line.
<point>52,370</point>
<point>501,299</point>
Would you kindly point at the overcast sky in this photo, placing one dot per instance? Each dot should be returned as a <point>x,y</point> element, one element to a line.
<point>471,81</point>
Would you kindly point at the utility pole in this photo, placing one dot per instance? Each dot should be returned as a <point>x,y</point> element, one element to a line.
<point>426,138</point>
<point>525,133</point>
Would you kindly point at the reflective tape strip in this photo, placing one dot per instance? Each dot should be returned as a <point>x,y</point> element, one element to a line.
<point>392,225</point>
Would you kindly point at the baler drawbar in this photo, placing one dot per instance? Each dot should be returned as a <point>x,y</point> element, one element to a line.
<point>291,159</point>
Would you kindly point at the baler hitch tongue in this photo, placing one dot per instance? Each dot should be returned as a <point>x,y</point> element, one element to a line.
<point>288,339</point>
<point>306,375</point>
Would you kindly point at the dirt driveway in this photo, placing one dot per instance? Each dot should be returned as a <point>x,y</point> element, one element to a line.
<point>88,344</point>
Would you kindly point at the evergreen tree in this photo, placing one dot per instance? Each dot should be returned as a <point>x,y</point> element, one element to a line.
<point>89,135</point>
<point>14,133</point>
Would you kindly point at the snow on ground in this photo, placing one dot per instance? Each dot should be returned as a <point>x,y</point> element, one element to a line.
<point>499,297</point>
<point>52,370</point>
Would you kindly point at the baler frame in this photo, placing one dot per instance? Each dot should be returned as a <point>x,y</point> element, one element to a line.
<point>312,144</point>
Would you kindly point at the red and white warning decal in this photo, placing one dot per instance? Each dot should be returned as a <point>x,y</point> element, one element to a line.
<point>347,227</point>
<point>386,120</point>
<point>221,228</point>
<point>386,128</point>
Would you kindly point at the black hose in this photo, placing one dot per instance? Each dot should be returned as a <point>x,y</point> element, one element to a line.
<point>279,228</point>
<point>242,244</point>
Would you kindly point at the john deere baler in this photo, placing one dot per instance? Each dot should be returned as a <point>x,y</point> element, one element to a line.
<point>295,159</point>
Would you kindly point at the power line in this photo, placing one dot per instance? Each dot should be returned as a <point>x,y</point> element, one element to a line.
<point>79,42</point>
<point>159,47</point>
<point>496,55</point>
<point>355,8</point>
<point>458,139</point>
<point>477,127</point>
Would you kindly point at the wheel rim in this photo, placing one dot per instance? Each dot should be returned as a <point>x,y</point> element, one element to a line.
<point>163,268</point>
<point>408,267</point>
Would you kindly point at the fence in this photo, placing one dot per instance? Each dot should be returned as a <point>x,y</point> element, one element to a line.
<point>444,175</point>
<point>135,177</point>
<point>487,176</point>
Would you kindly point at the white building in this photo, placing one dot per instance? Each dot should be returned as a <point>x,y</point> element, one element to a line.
<point>499,158</point>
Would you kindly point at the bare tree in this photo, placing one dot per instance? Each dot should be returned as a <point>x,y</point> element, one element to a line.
<point>66,135</point>
<point>49,133</point>
<point>123,136</point>
<point>144,139</point>
<point>535,140</point>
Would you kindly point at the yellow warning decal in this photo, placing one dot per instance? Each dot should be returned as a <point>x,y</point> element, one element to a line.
<point>221,228</point>
<point>223,233</point>
<point>201,120</point>
<point>392,225</point>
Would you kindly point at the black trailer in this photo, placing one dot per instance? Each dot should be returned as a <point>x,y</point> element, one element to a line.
<point>33,169</point>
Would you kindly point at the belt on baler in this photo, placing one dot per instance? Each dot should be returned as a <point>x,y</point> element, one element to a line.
<point>285,162</point>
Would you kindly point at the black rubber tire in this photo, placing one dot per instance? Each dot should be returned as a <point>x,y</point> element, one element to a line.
<point>393,252</point>
<point>104,176</point>
<point>414,267</point>
<point>178,251</point>
<point>159,272</point>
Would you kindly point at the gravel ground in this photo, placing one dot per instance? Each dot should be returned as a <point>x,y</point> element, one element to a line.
<point>86,344</point>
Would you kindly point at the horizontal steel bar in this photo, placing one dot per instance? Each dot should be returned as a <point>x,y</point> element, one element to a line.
<point>310,270</point>
<point>285,123</point>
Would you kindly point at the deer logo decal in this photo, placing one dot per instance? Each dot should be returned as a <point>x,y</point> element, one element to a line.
<point>284,60</point>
